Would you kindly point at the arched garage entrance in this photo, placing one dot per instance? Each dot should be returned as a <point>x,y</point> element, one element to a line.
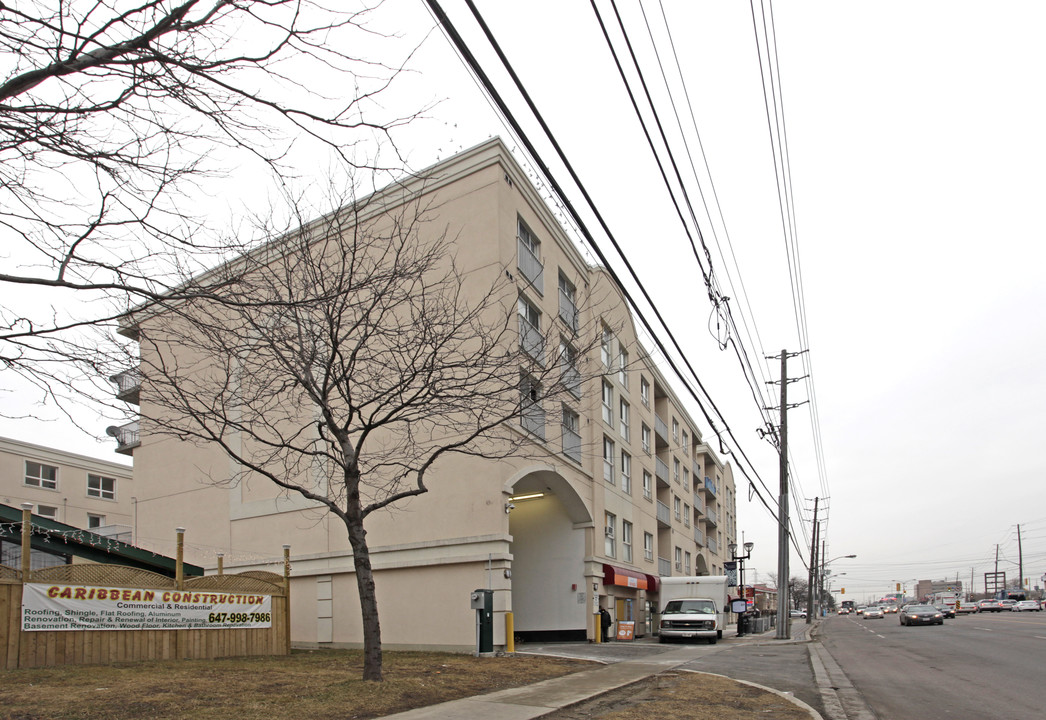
<point>548,524</point>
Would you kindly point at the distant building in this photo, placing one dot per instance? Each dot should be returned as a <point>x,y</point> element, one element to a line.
<point>77,490</point>
<point>616,487</point>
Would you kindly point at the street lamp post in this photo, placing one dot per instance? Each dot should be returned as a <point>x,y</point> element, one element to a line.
<point>740,559</point>
<point>821,583</point>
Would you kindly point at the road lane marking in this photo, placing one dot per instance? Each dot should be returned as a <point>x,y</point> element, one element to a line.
<point>1039,637</point>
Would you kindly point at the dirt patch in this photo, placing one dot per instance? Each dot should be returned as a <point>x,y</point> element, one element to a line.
<point>318,685</point>
<point>685,696</point>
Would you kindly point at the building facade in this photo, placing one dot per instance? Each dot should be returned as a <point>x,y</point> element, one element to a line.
<point>77,490</point>
<point>614,488</point>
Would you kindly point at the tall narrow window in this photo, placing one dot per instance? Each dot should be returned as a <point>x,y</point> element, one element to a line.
<point>606,346</point>
<point>532,415</point>
<point>686,563</point>
<point>675,469</point>
<point>624,419</point>
<point>568,303</point>
<point>644,391</point>
<point>571,434</point>
<point>622,367</point>
<point>626,541</point>
<point>529,255</point>
<point>648,482</point>
<point>530,339</point>
<point>648,547</point>
<point>608,532</point>
<point>644,433</point>
<point>568,368</point>
<point>626,473</point>
<point>608,460</point>
<point>608,403</point>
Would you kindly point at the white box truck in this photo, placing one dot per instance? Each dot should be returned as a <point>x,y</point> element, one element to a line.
<point>693,607</point>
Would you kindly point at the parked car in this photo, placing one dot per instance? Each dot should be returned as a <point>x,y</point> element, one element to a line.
<point>1007,604</point>
<point>966,607</point>
<point>947,610</point>
<point>797,613</point>
<point>920,615</point>
<point>874,612</point>
<point>1025,605</point>
<point>988,605</point>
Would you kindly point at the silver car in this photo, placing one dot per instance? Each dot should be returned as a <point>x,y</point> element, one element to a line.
<point>874,612</point>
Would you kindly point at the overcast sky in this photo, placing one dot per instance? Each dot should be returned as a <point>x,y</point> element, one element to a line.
<point>916,153</point>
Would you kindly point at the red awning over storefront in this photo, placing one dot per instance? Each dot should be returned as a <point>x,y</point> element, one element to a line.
<point>626,578</point>
<point>653,583</point>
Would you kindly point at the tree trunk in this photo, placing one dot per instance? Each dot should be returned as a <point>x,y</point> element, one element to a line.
<point>368,599</point>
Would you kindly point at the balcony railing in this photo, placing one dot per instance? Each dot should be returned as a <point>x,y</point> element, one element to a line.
<point>664,514</point>
<point>699,505</point>
<point>571,378</point>
<point>660,431</point>
<point>533,420</point>
<point>711,517</point>
<point>530,266</point>
<point>699,537</point>
<point>713,546</point>
<point>128,383</point>
<point>664,567</point>
<point>661,470</point>
<point>710,486</point>
<point>127,438</point>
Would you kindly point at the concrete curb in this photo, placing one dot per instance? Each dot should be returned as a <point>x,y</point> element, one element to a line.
<point>786,696</point>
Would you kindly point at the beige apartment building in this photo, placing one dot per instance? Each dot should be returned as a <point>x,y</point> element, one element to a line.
<point>616,486</point>
<point>77,490</point>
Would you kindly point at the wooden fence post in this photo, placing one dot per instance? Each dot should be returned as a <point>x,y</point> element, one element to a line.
<point>287,595</point>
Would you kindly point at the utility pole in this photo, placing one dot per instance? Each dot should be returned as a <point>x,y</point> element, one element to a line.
<point>784,623</point>
<point>813,569</point>
<point>1020,561</point>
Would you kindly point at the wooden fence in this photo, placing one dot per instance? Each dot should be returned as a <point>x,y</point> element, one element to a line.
<point>34,648</point>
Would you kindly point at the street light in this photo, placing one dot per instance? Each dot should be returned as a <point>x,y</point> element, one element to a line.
<point>821,587</point>
<point>741,579</point>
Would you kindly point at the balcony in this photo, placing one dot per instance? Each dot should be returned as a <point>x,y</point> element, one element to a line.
<point>531,341</point>
<point>660,432</point>
<point>709,486</point>
<point>661,471</point>
<point>699,506</point>
<point>572,444</point>
<point>664,567</point>
<point>127,438</point>
<point>530,266</point>
<point>699,537</point>
<point>711,518</point>
<point>128,383</point>
<point>571,377</point>
<point>664,514</point>
<point>713,546</point>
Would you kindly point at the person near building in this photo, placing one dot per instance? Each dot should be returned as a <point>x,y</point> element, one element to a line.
<point>605,622</point>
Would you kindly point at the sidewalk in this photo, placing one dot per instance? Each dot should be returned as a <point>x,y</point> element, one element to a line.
<point>627,663</point>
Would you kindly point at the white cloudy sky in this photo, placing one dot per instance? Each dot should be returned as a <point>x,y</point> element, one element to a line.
<point>916,151</point>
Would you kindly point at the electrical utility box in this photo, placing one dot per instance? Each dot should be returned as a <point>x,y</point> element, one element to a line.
<point>482,601</point>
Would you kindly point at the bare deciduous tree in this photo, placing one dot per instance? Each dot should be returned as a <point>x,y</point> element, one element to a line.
<point>111,114</point>
<point>355,351</point>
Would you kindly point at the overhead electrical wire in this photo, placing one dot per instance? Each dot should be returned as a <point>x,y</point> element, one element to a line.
<point>475,67</point>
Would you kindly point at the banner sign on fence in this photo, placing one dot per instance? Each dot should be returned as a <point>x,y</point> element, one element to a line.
<point>85,607</point>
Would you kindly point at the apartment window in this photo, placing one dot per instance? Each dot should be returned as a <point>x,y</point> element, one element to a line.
<point>47,511</point>
<point>530,338</point>
<point>675,469</point>
<point>686,514</point>
<point>101,487</point>
<point>686,563</point>
<point>679,559</point>
<point>529,255</point>
<point>40,475</point>
<point>648,481</point>
<point>624,419</point>
<point>677,508</point>
<point>606,344</point>
<point>648,546</point>
<point>644,434</point>
<point>568,303</point>
<point>626,473</point>
<point>686,479</point>
<point>571,376</point>
<point>644,391</point>
<point>622,367</point>
<point>626,541</point>
<point>686,443</point>
<point>675,431</point>
<point>95,521</point>
<point>571,434</point>
<point>608,403</point>
<point>608,460</point>
<point>532,415</point>
<point>611,542</point>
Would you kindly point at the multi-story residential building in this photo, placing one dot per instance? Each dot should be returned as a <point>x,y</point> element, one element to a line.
<point>77,490</point>
<point>613,489</point>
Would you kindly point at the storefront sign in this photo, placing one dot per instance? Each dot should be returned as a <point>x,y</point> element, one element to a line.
<point>626,630</point>
<point>84,607</point>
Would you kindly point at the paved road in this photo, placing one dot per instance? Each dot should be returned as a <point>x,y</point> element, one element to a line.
<point>984,666</point>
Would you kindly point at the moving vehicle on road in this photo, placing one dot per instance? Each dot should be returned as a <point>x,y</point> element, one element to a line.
<point>1007,604</point>
<point>966,607</point>
<point>920,615</point>
<point>1026,605</point>
<point>988,605</point>
<point>874,612</point>
<point>797,613</point>
<point>845,611</point>
<point>947,610</point>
